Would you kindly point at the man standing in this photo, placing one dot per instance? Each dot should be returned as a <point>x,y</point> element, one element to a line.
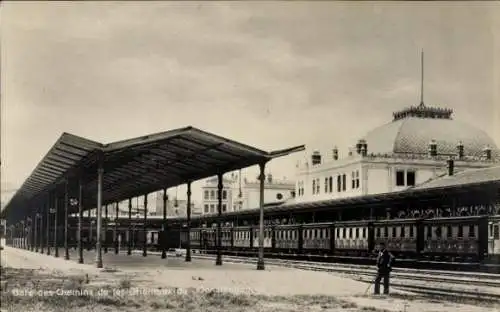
<point>384,266</point>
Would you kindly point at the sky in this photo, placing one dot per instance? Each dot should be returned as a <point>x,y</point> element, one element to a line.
<point>268,74</point>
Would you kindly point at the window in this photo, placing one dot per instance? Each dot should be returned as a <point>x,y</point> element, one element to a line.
<point>344,182</point>
<point>402,234</point>
<point>212,208</point>
<point>364,232</point>
<point>410,178</point>
<point>317,186</point>
<point>460,231</point>
<point>224,194</point>
<point>330,184</point>
<point>357,178</point>
<point>400,178</point>
<point>350,233</point>
<point>378,232</point>
<point>471,231</point>
<point>344,232</point>
<point>206,195</point>
<point>339,183</point>
<point>224,207</point>
<point>212,194</point>
<point>394,232</point>
<point>206,207</point>
<point>314,187</point>
<point>353,180</point>
<point>357,233</point>
<point>448,231</point>
<point>496,232</point>
<point>326,185</point>
<point>429,231</point>
<point>411,232</point>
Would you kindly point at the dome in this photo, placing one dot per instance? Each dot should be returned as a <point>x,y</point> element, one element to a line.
<point>413,129</point>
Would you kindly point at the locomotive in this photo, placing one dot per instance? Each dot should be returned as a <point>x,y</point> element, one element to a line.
<point>453,239</point>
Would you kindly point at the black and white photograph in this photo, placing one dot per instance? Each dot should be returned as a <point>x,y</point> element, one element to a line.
<point>240,156</point>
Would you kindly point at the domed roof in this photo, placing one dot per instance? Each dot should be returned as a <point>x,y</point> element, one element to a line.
<point>413,129</point>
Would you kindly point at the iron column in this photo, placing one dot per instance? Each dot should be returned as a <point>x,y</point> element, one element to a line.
<point>66,208</point>
<point>105,241</point>
<point>218,261</point>
<point>56,247</point>
<point>48,224</point>
<point>100,172</point>
<point>188,250</point>
<point>116,228</point>
<point>144,245</point>
<point>262,177</point>
<point>164,232</point>
<point>80,217</point>
<point>129,240</point>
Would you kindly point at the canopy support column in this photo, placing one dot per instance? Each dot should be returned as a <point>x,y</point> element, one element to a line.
<point>42,229</point>
<point>188,239</point>
<point>129,238</point>
<point>106,237</point>
<point>100,172</point>
<point>116,228</point>
<point>56,245</point>
<point>80,217</point>
<point>35,230</point>
<point>144,228</point>
<point>164,231</point>
<point>218,261</point>
<point>48,224</point>
<point>66,211</point>
<point>91,231</point>
<point>262,177</point>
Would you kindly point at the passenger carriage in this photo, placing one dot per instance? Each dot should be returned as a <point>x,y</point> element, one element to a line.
<point>494,240</point>
<point>400,236</point>
<point>456,238</point>
<point>242,238</point>
<point>317,238</point>
<point>286,238</point>
<point>352,238</point>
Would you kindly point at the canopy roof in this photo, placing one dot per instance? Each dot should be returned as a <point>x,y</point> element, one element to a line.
<point>134,167</point>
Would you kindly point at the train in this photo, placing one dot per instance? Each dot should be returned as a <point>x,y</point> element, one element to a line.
<point>473,239</point>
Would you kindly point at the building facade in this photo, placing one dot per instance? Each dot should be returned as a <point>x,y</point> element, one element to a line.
<point>410,150</point>
<point>239,193</point>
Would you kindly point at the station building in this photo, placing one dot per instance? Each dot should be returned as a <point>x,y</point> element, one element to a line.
<point>241,193</point>
<point>409,150</point>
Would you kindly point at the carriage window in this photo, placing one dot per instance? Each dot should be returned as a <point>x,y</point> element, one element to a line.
<point>394,232</point>
<point>496,232</point>
<point>386,232</point>
<point>460,231</point>
<point>364,232</point>
<point>402,235</point>
<point>471,231</point>
<point>448,231</point>
<point>378,232</point>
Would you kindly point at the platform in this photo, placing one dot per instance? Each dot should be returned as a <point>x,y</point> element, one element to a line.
<point>154,272</point>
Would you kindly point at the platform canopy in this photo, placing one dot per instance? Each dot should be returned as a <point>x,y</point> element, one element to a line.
<point>133,167</point>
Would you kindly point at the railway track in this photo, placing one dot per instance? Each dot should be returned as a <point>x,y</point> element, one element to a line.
<point>456,286</point>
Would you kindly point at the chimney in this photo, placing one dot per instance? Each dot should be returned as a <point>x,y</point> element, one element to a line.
<point>433,148</point>
<point>364,148</point>
<point>451,166</point>
<point>269,178</point>
<point>487,153</point>
<point>460,150</point>
<point>316,158</point>
<point>359,146</point>
<point>335,153</point>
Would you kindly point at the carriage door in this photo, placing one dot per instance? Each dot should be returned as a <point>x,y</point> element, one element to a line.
<point>494,238</point>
